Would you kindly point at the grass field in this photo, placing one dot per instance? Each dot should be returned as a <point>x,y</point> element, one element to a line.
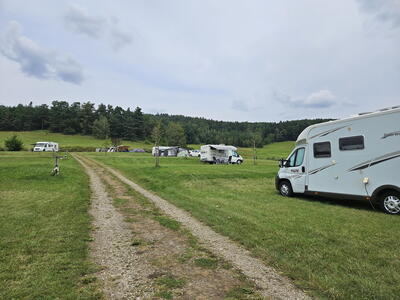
<point>44,229</point>
<point>272,151</point>
<point>334,249</point>
<point>77,140</point>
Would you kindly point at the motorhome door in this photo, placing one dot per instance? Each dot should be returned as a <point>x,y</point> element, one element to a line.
<point>295,170</point>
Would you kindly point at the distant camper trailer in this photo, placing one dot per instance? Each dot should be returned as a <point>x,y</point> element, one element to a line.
<point>45,147</point>
<point>353,158</point>
<point>166,151</point>
<point>220,154</point>
<point>169,151</point>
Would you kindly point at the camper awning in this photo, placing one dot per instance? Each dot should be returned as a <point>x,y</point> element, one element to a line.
<point>223,147</point>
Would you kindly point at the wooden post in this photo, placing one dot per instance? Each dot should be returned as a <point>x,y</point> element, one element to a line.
<point>157,155</point>
<point>254,152</point>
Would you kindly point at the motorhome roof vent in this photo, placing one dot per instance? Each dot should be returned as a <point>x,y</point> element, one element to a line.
<point>365,113</point>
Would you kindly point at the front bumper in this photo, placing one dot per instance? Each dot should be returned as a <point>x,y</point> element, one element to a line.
<point>277,182</point>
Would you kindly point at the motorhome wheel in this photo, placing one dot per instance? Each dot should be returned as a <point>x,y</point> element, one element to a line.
<point>239,162</point>
<point>390,202</point>
<point>285,188</point>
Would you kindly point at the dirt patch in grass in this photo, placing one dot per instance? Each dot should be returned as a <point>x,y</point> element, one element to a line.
<point>176,266</point>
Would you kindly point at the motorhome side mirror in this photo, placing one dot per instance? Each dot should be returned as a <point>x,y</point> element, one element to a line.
<point>281,163</point>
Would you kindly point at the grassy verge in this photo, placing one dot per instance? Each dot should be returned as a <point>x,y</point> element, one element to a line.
<point>334,249</point>
<point>44,229</point>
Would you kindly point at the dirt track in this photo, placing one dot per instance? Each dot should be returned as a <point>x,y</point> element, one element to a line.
<point>131,269</point>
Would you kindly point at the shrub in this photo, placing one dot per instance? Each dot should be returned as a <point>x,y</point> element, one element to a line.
<point>13,143</point>
<point>69,130</point>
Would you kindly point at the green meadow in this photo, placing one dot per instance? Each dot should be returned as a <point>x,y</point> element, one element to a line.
<point>334,249</point>
<point>44,229</point>
<point>29,138</point>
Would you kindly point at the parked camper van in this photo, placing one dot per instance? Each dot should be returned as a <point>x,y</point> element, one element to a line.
<point>220,154</point>
<point>45,146</point>
<point>354,158</point>
<point>194,153</point>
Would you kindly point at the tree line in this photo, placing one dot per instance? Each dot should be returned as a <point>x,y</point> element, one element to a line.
<point>108,122</point>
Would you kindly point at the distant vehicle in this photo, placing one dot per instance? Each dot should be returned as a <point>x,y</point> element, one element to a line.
<point>45,146</point>
<point>195,153</point>
<point>165,151</point>
<point>120,148</point>
<point>354,158</point>
<point>138,150</point>
<point>183,153</point>
<point>220,154</point>
<point>170,151</point>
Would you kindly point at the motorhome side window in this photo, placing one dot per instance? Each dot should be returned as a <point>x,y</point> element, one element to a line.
<point>351,143</point>
<point>322,149</point>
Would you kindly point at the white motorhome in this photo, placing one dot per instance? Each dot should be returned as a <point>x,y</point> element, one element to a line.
<point>353,158</point>
<point>220,154</point>
<point>45,146</point>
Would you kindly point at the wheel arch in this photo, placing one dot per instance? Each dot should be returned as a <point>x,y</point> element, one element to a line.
<point>384,188</point>
<point>284,180</point>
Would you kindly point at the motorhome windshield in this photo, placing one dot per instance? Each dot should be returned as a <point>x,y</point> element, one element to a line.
<point>296,159</point>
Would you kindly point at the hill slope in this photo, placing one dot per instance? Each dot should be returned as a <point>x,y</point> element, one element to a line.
<point>270,151</point>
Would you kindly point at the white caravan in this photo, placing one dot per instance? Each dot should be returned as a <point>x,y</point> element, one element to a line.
<point>353,158</point>
<point>45,146</point>
<point>214,154</point>
<point>165,151</point>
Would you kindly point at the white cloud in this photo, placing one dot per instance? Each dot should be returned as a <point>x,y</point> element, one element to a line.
<point>37,61</point>
<point>383,10</point>
<point>119,39</point>
<point>319,99</point>
<point>78,20</point>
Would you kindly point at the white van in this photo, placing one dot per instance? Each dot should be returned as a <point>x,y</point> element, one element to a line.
<point>215,154</point>
<point>45,146</point>
<point>353,158</point>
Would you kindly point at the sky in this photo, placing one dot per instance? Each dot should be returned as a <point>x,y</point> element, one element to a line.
<point>225,60</point>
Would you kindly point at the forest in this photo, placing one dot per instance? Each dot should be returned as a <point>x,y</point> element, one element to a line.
<point>106,121</point>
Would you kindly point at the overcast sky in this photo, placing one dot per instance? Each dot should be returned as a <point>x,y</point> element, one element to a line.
<point>227,60</point>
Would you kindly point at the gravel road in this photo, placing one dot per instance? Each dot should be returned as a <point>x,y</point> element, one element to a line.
<point>268,280</point>
<point>123,274</point>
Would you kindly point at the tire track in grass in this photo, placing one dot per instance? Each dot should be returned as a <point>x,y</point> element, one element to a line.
<point>123,274</point>
<point>271,283</point>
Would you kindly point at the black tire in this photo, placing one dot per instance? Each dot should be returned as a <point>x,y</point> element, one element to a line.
<point>390,202</point>
<point>239,162</point>
<point>285,188</point>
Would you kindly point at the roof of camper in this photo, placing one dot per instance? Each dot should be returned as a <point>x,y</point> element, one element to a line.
<point>166,147</point>
<point>223,147</point>
<point>303,136</point>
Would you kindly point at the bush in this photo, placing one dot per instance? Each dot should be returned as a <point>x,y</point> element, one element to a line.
<point>69,131</point>
<point>13,143</point>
